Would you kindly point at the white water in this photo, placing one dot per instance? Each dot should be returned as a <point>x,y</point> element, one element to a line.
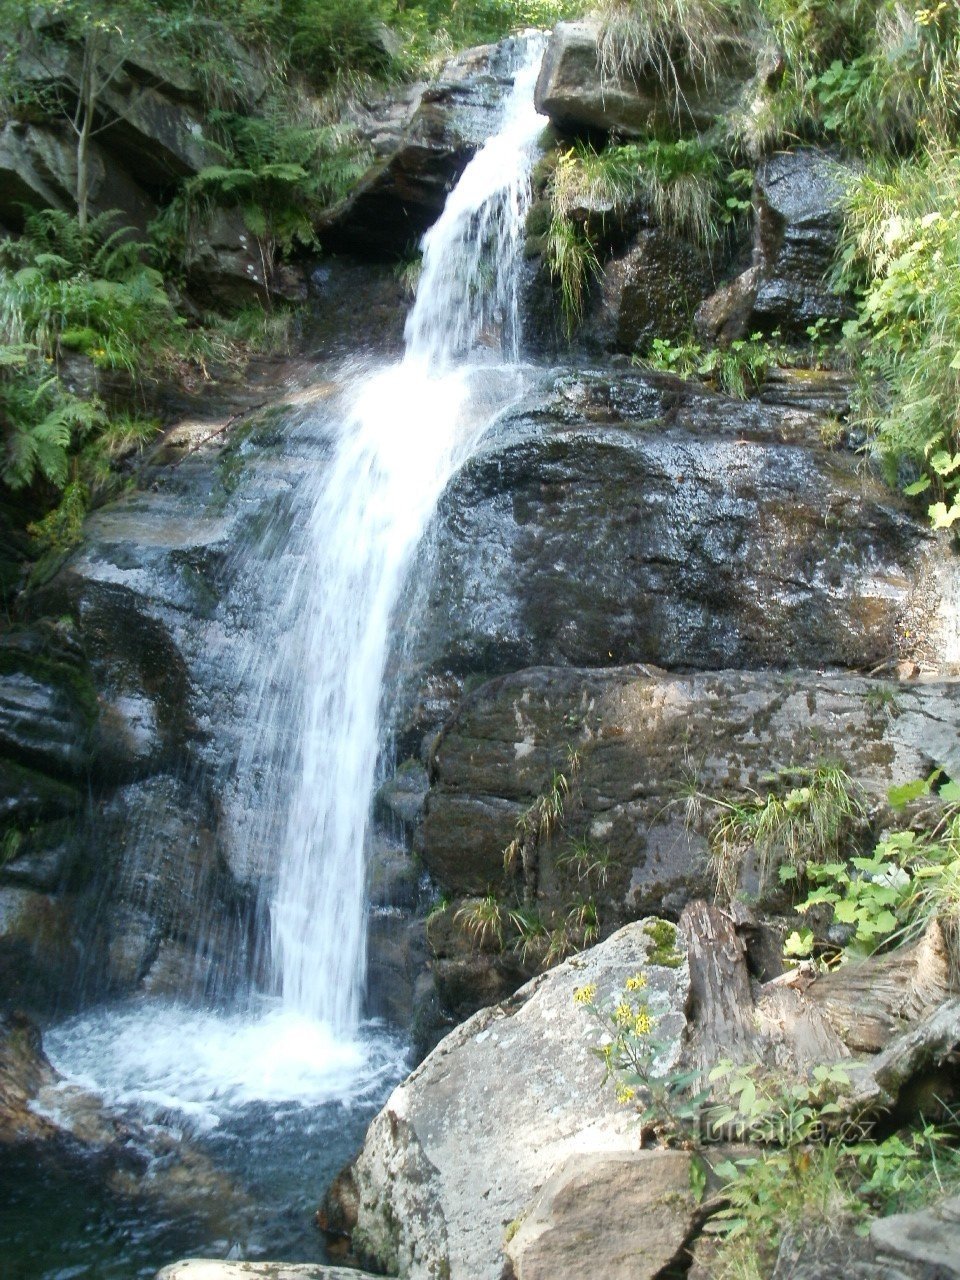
<point>309,758</point>
<point>407,431</point>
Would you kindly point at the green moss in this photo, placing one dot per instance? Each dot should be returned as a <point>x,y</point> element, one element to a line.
<point>67,674</point>
<point>663,937</point>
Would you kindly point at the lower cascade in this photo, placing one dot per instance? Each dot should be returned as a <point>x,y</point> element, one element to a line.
<point>298,1059</point>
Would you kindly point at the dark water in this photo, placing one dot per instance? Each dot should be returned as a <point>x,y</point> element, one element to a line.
<point>212,1170</point>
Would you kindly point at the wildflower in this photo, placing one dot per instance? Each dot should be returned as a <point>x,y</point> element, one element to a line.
<point>637,982</point>
<point>623,1014</point>
<point>642,1023</point>
<point>585,995</point>
<point>625,1093</point>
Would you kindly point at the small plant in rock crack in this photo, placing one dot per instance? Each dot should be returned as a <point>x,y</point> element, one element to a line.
<point>667,1099</point>
<point>806,818</point>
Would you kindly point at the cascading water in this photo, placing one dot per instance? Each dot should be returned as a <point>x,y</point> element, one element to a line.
<point>372,466</point>
<point>408,429</point>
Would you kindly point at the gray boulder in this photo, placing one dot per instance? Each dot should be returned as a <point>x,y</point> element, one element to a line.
<point>644,519</point>
<point>576,95</point>
<point>645,740</point>
<point>459,1150</point>
<point>624,1217</point>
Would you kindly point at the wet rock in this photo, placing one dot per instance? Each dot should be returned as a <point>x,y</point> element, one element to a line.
<point>798,198</point>
<point>402,797</point>
<point>423,141</point>
<point>167,884</point>
<point>458,1151</point>
<point>725,315</point>
<point>38,168</point>
<point>207,1269</point>
<point>576,95</point>
<point>24,1069</point>
<point>649,292</point>
<point>47,703</point>
<point>623,1217</point>
<point>643,738</point>
<point>40,950</point>
<point>645,519</point>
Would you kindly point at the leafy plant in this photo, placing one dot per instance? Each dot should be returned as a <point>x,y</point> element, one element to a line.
<point>668,1103</point>
<point>911,878</point>
<point>483,919</point>
<point>902,245</point>
<point>804,820</point>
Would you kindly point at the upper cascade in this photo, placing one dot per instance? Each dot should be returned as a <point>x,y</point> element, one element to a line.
<point>404,432</point>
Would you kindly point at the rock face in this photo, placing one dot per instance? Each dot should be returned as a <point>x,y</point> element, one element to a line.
<point>460,1148</point>
<point>623,1217</point>
<point>798,197</point>
<point>643,739</point>
<point>576,94</point>
<point>645,518</point>
<point>422,139</point>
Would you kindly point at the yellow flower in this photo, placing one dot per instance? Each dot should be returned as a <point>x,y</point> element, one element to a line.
<point>642,1023</point>
<point>585,995</point>
<point>625,1093</point>
<point>637,982</point>
<point>623,1014</point>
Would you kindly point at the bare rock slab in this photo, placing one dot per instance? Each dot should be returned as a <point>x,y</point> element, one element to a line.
<point>623,1217</point>
<point>507,1099</point>
<point>209,1269</point>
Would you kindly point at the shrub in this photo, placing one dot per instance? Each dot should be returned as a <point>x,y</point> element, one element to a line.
<point>902,248</point>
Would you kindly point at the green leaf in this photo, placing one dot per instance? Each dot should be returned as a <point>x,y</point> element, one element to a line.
<point>941,517</point>
<point>918,486</point>
<point>901,796</point>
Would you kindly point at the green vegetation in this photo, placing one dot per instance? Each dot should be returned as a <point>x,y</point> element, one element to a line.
<point>812,1156</point>
<point>806,818</point>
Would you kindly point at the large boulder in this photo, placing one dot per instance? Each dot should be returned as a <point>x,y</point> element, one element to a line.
<point>646,740</point>
<point>422,140</point>
<point>638,518</point>
<point>577,94</point>
<point>460,1149</point>
<point>624,1217</point>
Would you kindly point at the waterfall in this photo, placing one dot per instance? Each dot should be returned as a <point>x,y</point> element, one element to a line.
<point>406,430</point>
<point>306,634</point>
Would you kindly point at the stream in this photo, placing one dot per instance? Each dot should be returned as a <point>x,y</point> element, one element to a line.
<point>271,1088</point>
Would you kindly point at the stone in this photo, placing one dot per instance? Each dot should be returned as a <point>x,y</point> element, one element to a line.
<point>928,1238</point>
<point>208,1269</point>
<point>798,202</point>
<point>624,1217</point>
<point>649,292</point>
<point>460,1149</point>
<point>644,738</point>
<point>574,93</point>
<point>646,519</point>
<point>725,316</point>
<point>38,168</point>
<point>39,947</point>
<point>422,141</point>
<point>24,1069</point>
